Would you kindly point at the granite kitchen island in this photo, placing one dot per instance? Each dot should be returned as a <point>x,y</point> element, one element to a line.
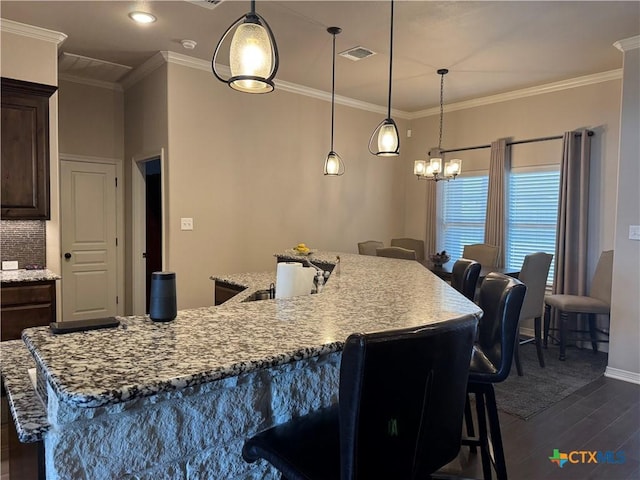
<point>177,400</point>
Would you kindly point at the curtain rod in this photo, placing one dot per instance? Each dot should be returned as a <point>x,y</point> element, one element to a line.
<point>517,142</point>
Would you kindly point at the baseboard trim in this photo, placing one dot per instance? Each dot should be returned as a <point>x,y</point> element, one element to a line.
<point>624,375</point>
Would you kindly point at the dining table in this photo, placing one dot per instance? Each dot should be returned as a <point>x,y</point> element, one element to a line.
<point>445,271</point>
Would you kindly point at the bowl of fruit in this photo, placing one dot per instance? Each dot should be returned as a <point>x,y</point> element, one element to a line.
<point>302,249</point>
<point>439,258</point>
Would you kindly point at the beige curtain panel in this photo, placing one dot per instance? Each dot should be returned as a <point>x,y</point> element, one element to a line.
<point>499,166</point>
<point>573,213</point>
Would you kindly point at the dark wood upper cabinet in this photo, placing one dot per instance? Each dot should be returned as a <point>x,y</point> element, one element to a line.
<point>25,149</point>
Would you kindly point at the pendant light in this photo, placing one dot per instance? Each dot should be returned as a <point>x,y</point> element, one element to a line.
<point>333,165</point>
<point>433,169</point>
<point>253,54</point>
<point>385,136</point>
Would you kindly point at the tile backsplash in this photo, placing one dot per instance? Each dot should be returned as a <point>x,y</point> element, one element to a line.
<point>24,241</point>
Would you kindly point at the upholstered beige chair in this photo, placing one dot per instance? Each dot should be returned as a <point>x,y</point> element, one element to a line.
<point>369,247</point>
<point>483,253</point>
<point>534,273</point>
<point>396,252</point>
<point>410,244</point>
<point>598,302</point>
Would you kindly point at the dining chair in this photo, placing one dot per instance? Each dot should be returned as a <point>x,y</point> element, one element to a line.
<point>534,273</point>
<point>399,413</point>
<point>485,254</point>
<point>396,252</point>
<point>598,302</point>
<point>410,244</point>
<point>369,247</point>
<point>501,300</point>
<point>464,276</point>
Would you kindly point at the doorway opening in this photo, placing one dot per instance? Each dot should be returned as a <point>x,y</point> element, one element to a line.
<point>148,226</point>
<point>153,224</point>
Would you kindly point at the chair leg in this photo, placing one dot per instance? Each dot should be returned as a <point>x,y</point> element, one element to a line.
<point>496,437</point>
<point>516,356</point>
<point>468,420</point>
<point>592,332</point>
<point>547,324</point>
<point>538,334</point>
<point>564,319</point>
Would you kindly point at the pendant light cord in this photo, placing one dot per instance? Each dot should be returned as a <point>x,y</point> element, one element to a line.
<point>333,87</point>
<point>390,63</point>
<point>441,111</point>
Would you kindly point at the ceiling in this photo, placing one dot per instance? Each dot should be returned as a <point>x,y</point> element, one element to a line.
<point>489,47</point>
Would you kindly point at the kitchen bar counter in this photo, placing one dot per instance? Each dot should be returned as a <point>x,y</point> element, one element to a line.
<point>221,372</point>
<point>23,276</point>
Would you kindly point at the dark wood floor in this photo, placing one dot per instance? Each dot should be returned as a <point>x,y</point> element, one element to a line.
<point>602,416</point>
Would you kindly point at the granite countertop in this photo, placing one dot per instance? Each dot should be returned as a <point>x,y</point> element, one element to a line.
<point>141,358</point>
<point>29,413</point>
<point>24,276</point>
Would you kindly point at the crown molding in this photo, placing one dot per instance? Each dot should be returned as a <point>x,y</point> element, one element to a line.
<point>137,74</point>
<point>525,92</point>
<point>627,44</point>
<point>198,64</point>
<point>191,62</point>
<point>38,33</point>
<point>88,81</point>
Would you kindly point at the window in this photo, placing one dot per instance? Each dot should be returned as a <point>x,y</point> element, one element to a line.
<point>532,201</point>
<point>462,212</point>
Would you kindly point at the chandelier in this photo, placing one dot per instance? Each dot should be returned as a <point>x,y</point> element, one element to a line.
<point>434,169</point>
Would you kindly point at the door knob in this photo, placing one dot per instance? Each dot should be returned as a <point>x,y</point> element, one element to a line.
<point>67,255</point>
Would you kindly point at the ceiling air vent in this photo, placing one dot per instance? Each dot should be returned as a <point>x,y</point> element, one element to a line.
<point>357,53</point>
<point>208,4</point>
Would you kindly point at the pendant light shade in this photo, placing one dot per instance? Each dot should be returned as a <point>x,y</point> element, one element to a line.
<point>333,165</point>
<point>385,140</point>
<point>433,170</point>
<point>253,54</point>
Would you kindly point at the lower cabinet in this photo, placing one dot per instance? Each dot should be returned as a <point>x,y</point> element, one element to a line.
<point>24,305</point>
<point>224,291</point>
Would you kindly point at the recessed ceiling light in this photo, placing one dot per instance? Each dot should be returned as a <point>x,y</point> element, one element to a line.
<point>142,17</point>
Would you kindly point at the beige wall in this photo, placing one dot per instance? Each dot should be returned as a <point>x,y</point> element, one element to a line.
<point>33,60</point>
<point>248,170</point>
<point>91,120</point>
<point>146,133</point>
<point>624,356</point>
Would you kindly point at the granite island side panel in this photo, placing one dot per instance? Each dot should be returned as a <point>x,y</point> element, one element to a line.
<point>216,375</point>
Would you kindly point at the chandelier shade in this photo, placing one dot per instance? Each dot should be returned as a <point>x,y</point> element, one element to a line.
<point>253,54</point>
<point>385,140</point>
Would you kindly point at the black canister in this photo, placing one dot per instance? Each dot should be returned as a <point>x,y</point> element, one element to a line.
<point>162,301</point>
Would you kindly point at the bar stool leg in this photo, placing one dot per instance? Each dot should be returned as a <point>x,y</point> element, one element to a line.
<point>496,436</point>
<point>483,434</point>
<point>468,420</point>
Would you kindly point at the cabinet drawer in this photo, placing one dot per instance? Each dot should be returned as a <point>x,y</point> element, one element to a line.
<point>28,294</point>
<point>15,319</point>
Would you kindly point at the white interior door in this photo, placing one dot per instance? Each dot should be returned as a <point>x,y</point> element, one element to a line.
<point>88,224</point>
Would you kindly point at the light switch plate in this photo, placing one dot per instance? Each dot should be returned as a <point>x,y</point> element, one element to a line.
<point>634,232</point>
<point>10,265</point>
<point>186,224</point>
